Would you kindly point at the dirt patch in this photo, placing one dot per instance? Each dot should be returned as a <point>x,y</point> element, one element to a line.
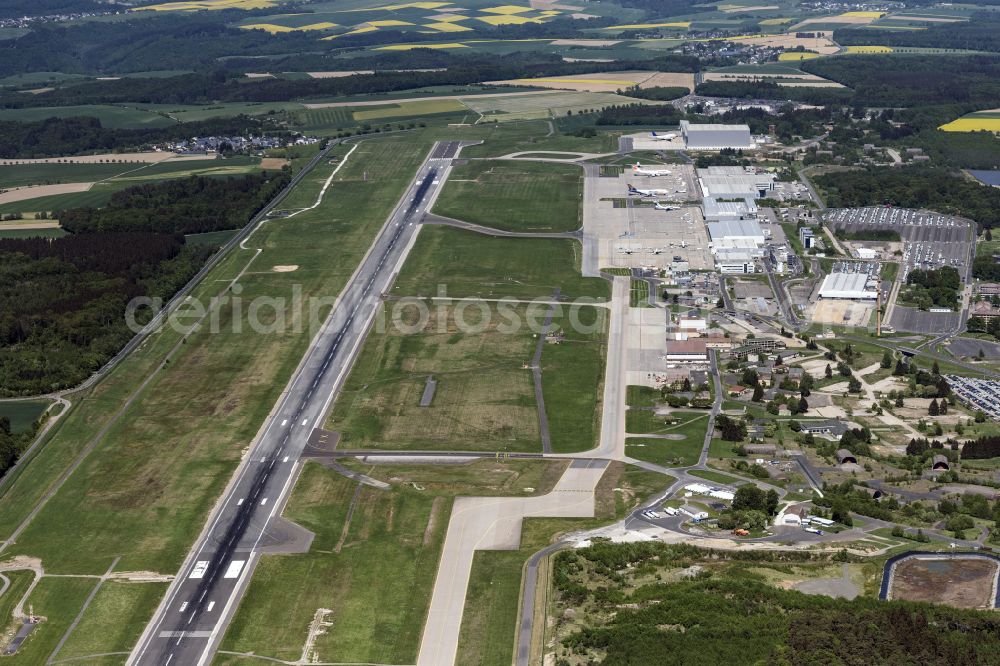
<point>842,313</point>
<point>273,163</point>
<point>432,520</point>
<point>285,269</point>
<point>959,582</point>
<point>34,191</point>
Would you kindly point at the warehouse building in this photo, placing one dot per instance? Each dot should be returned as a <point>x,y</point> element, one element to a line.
<point>850,286</point>
<point>726,211</point>
<point>716,137</point>
<point>746,234</point>
<point>735,183</point>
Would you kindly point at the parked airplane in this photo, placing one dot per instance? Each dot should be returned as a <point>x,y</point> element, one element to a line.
<point>632,191</point>
<point>662,137</point>
<point>662,206</point>
<point>639,170</point>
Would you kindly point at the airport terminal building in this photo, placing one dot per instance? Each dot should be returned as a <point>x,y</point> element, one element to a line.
<point>716,137</point>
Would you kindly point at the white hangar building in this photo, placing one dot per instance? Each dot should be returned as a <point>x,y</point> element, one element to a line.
<point>736,233</point>
<point>716,137</point>
<point>851,286</point>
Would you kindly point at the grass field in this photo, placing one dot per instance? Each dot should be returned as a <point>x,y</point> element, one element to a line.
<point>465,263</point>
<point>669,452</point>
<point>110,116</point>
<point>20,175</point>
<point>409,109</point>
<point>19,583</point>
<point>114,619</point>
<point>484,398</point>
<point>514,196</point>
<point>375,574</point>
<point>572,382</point>
<point>717,477</point>
<point>58,600</point>
<point>22,413</point>
<point>217,238</point>
<point>505,138</point>
<point>145,491</point>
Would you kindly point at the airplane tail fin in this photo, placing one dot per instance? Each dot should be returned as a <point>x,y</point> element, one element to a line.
<point>631,188</point>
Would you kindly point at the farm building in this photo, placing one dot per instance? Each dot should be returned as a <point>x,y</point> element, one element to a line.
<point>710,136</point>
<point>845,457</point>
<point>940,463</point>
<point>850,286</point>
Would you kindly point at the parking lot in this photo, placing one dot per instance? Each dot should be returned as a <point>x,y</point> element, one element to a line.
<point>629,231</point>
<point>981,394</point>
<point>927,240</point>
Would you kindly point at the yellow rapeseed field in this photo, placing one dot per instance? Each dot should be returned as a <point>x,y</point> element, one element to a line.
<point>869,49</point>
<point>797,55</point>
<point>972,124</point>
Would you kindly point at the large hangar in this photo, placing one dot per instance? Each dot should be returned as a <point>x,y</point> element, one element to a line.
<point>716,137</point>
<point>851,286</point>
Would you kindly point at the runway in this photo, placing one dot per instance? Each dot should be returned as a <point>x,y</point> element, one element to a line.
<point>196,610</point>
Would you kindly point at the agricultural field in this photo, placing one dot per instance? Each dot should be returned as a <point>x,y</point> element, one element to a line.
<point>110,116</point>
<point>607,82</point>
<point>979,121</point>
<point>514,196</point>
<point>465,263</point>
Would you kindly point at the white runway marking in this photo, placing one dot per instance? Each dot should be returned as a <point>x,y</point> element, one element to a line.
<point>211,605</point>
<point>239,502</point>
<point>285,459</point>
<point>284,422</point>
<point>235,567</point>
<point>263,501</point>
<point>183,606</point>
<point>305,421</point>
<point>199,569</point>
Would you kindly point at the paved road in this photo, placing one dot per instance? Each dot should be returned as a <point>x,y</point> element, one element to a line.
<point>200,602</point>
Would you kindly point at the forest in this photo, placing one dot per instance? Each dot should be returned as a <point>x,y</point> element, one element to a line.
<point>979,33</point>
<point>181,206</point>
<point>62,301</point>
<point>983,447</point>
<point>727,613</point>
<point>933,188</point>
<point>57,137</point>
<point>914,80</point>
<point>12,444</point>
